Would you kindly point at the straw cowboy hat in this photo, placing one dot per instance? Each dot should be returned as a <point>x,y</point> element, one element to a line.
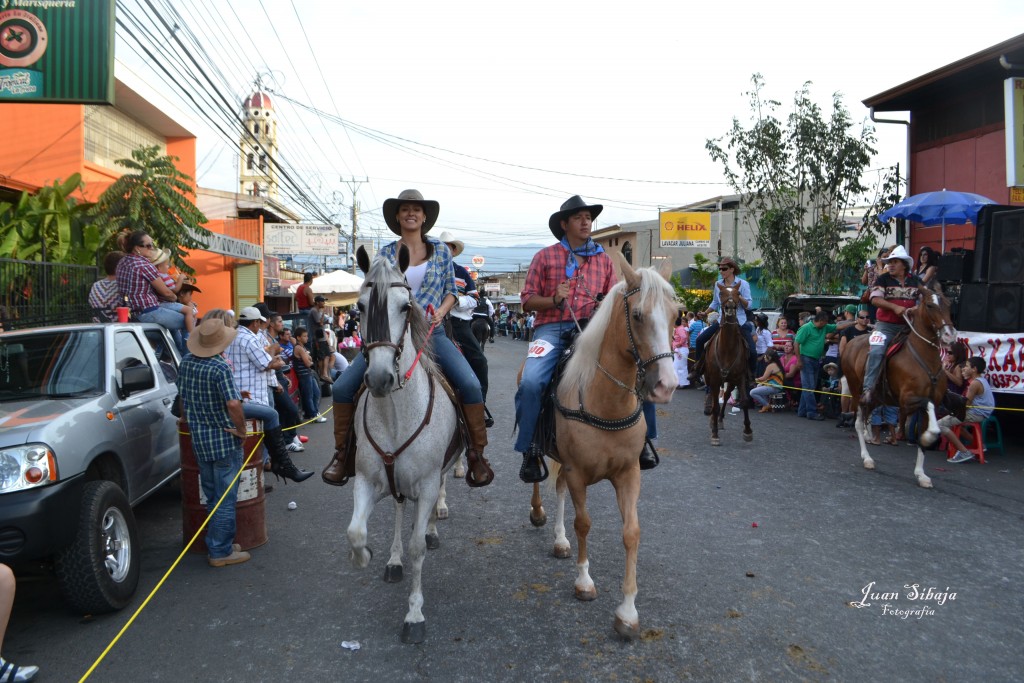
<point>210,338</point>
<point>455,245</point>
<point>158,256</point>
<point>731,263</point>
<point>571,206</point>
<point>430,207</point>
<point>900,253</point>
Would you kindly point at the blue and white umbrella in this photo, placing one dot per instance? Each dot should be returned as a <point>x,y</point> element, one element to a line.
<point>935,208</point>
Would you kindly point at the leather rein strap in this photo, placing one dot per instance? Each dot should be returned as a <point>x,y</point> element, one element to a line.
<point>389,457</point>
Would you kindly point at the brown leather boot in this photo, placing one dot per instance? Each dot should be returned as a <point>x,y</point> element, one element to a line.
<point>342,465</point>
<point>479,473</point>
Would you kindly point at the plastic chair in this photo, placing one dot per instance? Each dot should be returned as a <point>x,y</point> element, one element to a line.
<point>997,441</point>
<point>977,446</point>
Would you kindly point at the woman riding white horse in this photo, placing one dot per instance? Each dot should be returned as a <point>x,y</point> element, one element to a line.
<point>432,279</point>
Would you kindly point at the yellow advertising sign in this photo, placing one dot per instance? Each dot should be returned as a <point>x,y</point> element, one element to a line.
<point>1017,195</point>
<point>685,229</point>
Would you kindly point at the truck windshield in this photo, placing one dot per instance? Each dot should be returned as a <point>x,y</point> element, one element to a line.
<point>51,364</point>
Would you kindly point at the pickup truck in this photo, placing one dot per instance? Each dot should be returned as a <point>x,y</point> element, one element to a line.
<point>86,433</point>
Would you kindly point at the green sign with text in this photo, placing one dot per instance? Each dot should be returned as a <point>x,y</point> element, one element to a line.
<point>57,51</point>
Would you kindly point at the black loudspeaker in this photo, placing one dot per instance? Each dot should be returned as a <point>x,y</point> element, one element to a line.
<point>1006,259</point>
<point>985,239</point>
<point>955,266</point>
<point>991,308</point>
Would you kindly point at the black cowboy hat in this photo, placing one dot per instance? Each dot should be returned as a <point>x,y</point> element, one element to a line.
<point>572,205</point>
<point>430,207</point>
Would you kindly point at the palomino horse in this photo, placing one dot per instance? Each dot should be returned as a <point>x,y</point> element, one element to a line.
<point>599,423</point>
<point>725,364</point>
<point>914,375</point>
<point>404,426</point>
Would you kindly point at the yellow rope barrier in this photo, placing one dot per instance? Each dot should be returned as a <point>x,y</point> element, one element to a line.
<point>173,566</point>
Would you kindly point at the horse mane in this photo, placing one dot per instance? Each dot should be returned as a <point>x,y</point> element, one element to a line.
<point>579,372</point>
<point>383,271</point>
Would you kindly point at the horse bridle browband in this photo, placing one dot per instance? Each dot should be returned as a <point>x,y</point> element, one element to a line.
<point>582,415</point>
<point>370,345</point>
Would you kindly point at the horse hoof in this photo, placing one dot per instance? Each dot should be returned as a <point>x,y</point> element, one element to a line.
<point>924,482</point>
<point>748,437</point>
<point>869,464</point>
<point>414,633</point>
<point>586,595</point>
<point>539,519</point>
<point>361,558</point>
<point>393,573</point>
<point>561,552</point>
<point>433,541</point>
<point>459,471</point>
<point>442,513</point>
<point>716,442</point>
<point>627,631</point>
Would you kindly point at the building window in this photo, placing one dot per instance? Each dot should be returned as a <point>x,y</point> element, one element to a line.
<point>263,162</point>
<point>248,161</point>
<point>627,251</point>
<point>255,189</point>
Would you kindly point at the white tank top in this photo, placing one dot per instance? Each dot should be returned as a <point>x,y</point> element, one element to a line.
<point>414,275</point>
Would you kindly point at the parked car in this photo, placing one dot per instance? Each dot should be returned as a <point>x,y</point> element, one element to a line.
<point>86,433</point>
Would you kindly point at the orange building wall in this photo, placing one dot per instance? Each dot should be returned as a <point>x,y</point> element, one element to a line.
<point>49,145</point>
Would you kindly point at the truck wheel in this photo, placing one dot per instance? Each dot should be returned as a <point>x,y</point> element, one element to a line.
<point>99,571</point>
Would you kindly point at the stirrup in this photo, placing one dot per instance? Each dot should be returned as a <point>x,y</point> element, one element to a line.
<point>538,456</point>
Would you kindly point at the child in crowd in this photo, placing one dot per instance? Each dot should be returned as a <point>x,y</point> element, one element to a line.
<point>309,387</point>
<point>105,297</point>
<point>831,382</point>
<point>161,258</point>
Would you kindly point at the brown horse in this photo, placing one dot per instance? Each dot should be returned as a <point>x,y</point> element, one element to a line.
<point>725,364</point>
<point>914,378</point>
<point>622,358</point>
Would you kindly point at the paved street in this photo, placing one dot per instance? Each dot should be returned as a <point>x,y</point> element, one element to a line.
<point>750,558</point>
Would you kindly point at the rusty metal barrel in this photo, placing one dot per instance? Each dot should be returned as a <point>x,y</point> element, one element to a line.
<point>250,510</point>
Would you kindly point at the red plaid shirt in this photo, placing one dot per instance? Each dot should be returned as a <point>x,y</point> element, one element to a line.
<point>596,275</point>
<point>135,276</point>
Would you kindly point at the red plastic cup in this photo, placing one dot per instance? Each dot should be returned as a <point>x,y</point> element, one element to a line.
<point>122,314</point>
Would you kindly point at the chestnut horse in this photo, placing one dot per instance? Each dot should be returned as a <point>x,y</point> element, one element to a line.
<point>621,358</point>
<point>914,376</point>
<point>725,364</point>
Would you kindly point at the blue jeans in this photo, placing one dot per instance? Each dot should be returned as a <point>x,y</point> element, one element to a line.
<point>215,478</point>
<point>536,375</point>
<point>762,393</point>
<point>309,389</point>
<point>452,362</point>
<point>261,411</point>
<point>808,381</point>
<point>174,322</point>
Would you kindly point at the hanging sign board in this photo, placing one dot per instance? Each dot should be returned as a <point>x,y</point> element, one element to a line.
<point>685,229</point>
<point>1013,100</point>
<point>300,238</point>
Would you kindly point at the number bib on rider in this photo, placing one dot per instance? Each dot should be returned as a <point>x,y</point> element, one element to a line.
<point>876,339</point>
<point>539,349</point>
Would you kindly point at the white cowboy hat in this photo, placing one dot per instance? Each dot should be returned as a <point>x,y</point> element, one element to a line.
<point>457,246</point>
<point>900,253</point>
<point>210,338</point>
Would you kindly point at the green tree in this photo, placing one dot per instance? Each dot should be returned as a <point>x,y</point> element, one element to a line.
<point>50,225</point>
<point>798,177</point>
<point>153,196</point>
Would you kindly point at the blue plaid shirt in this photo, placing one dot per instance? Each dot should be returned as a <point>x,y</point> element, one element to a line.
<point>438,281</point>
<point>206,385</point>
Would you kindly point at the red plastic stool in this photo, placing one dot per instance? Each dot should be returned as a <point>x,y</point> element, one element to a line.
<point>977,444</point>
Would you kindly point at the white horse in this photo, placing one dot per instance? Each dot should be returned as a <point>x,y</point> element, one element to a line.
<point>404,424</point>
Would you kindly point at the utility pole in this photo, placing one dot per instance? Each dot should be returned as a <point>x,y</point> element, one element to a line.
<point>353,185</point>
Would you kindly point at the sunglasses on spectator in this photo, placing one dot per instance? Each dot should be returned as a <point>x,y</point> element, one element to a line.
<point>147,246</point>
<point>864,317</point>
<point>725,268</point>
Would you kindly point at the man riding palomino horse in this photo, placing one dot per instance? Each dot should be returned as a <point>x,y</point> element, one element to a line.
<point>564,284</point>
<point>895,295</point>
<point>730,271</point>
<point>432,280</point>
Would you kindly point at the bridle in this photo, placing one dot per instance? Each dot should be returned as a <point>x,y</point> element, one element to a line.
<point>378,335</point>
<point>582,415</point>
<point>933,376</point>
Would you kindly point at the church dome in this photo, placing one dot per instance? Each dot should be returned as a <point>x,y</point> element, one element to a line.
<point>259,100</point>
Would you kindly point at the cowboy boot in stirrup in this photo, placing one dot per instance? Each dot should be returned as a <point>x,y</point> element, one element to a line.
<point>479,473</point>
<point>341,466</point>
<point>280,462</point>
<point>649,456</point>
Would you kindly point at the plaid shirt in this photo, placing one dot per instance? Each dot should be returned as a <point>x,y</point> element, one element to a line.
<point>265,341</point>
<point>595,276</point>
<point>135,276</point>
<point>438,281</point>
<point>206,385</point>
<point>249,362</point>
